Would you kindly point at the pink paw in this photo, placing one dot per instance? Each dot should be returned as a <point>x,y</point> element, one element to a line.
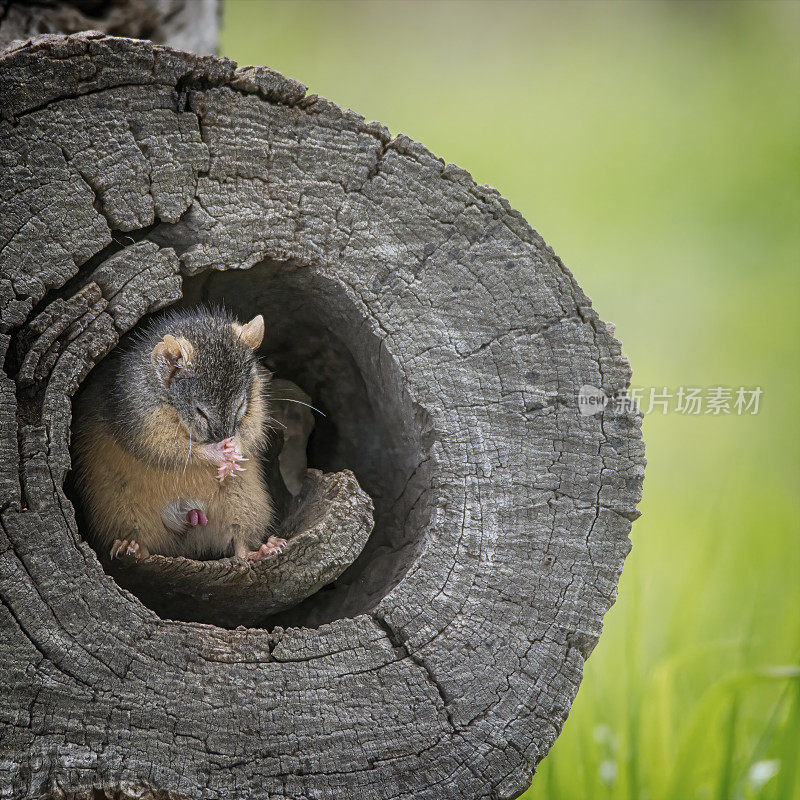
<point>196,517</point>
<point>230,459</point>
<point>272,547</point>
<point>128,549</point>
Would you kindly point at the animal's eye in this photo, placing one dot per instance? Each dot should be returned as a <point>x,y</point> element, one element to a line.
<point>201,413</point>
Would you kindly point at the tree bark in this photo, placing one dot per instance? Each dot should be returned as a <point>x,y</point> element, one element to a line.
<point>446,343</point>
<point>185,24</point>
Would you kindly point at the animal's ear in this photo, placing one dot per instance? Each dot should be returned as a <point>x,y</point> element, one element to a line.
<point>251,333</point>
<point>172,358</point>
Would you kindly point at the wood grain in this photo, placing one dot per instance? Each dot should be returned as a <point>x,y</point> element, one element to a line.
<point>451,342</point>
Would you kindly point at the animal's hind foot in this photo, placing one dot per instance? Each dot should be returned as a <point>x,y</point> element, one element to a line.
<point>128,550</point>
<point>271,547</point>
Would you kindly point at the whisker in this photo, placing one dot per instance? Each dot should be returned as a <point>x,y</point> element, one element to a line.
<point>299,402</point>
<point>163,462</point>
<point>186,463</point>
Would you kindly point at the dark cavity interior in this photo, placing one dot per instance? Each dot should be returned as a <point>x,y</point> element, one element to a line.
<point>316,337</point>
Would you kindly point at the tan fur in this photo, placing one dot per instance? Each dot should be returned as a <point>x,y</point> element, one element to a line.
<point>172,355</point>
<point>251,333</point>
<point>124,496</point>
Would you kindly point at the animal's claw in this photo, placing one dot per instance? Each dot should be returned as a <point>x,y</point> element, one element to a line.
<point>128,548</point>
<point>231,456</point>
<point>271,547</point>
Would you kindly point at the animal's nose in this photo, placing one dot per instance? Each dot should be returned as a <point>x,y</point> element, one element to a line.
<point>219,433</point>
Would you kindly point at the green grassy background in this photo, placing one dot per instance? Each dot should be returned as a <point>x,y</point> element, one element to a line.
<point>655,147</point>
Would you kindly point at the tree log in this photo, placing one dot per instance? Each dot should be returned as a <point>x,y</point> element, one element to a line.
<point>185,24</point>
<point>446,344</point>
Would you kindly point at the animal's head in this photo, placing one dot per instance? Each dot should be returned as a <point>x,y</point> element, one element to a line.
<point>205,368</point>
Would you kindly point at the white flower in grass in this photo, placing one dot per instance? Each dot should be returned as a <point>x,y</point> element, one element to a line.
<point>601,733</point>
<point>762,771</point>
<point>604,735</point>
<point>608,771</point>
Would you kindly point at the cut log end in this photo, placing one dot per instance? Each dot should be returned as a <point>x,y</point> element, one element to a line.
<point>185,24</point>
<point>446,344</point>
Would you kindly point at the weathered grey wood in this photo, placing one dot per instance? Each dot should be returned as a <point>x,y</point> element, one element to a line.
<point>185,24</point>
<point>446,343</point>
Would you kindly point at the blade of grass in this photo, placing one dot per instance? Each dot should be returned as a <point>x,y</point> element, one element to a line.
<point>695,754</point>
<point>725,783</point>
<point>787,787</point>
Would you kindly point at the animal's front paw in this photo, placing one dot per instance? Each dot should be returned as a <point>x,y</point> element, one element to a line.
<point>128,550</point>
<point>196,517</point>
<point>226,456</point>
<point>272,547</point>
<point>231,456</point>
